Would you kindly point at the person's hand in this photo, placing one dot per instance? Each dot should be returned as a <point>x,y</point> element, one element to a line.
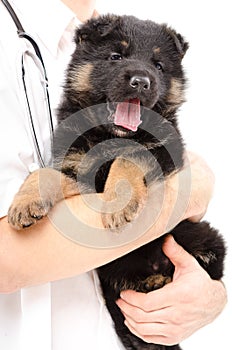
<point>171,314</point>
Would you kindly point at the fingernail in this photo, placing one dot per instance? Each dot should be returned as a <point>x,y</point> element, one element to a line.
<point>171,240</point>
<point>122,295</point>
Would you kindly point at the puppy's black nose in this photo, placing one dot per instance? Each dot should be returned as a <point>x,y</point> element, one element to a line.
<point>140,83</point>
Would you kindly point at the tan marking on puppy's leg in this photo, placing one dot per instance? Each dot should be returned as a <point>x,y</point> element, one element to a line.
<point>122,169</point>
<point>38,194</point>
<point>80,77</point>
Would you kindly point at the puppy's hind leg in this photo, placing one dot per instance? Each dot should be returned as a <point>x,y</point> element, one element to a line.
<point>41,190</point>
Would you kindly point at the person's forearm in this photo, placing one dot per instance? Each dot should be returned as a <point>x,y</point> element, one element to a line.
<point>41,253</point>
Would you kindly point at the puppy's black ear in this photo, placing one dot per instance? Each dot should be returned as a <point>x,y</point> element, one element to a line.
<point>96,28</point>
<point>181,44</point>
<point>105,24</point>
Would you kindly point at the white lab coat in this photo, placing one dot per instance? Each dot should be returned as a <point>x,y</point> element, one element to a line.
<point>67,314</point>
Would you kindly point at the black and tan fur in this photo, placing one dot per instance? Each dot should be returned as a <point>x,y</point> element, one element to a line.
<point>110,52</point>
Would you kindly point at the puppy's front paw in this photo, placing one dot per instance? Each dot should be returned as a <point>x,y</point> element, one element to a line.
<point>26,212</point>
<point>34,199</point>
<point>125,194</point>
<point>41,190</point>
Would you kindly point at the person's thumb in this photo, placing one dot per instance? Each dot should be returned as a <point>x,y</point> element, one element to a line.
<point>180,258</point>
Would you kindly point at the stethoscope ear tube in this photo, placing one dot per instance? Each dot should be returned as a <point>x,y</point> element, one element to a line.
<point>13,16</point>
<point>35,140</point>
<point>22,34</point>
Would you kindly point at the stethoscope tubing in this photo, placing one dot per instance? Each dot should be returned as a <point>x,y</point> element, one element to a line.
<point>22,34</point>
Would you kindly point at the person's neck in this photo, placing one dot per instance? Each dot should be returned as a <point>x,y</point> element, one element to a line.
<point>84,9</point>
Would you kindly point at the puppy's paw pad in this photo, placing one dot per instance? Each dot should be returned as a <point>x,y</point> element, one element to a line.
<point>154,282</point>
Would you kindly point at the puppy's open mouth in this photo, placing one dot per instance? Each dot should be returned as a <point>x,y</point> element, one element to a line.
<point>126,116</point>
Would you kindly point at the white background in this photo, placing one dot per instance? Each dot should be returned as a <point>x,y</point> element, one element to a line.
<point>205,119</point>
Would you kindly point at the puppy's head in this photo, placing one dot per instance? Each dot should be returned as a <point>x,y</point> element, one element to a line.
<point>127,63</point>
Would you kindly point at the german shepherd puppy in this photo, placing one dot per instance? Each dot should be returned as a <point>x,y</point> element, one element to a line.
<point>123,88</point>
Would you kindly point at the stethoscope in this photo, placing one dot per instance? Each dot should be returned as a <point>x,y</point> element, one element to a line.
<point>22,34</point>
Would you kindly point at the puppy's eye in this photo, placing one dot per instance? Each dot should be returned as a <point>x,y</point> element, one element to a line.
<point>115,56</point>
<point>159,66</point>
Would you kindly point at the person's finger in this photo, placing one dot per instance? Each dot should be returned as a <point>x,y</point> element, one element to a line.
<point>152,301</point>
<point>157,333</point>
<point>180,258</point>
<point>144,329</point>
<point>139,315</point>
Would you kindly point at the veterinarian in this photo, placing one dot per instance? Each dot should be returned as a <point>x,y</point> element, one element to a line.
<point>69,313</point>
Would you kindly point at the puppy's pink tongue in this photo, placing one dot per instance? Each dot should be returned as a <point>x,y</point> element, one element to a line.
<point>128,114</point>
